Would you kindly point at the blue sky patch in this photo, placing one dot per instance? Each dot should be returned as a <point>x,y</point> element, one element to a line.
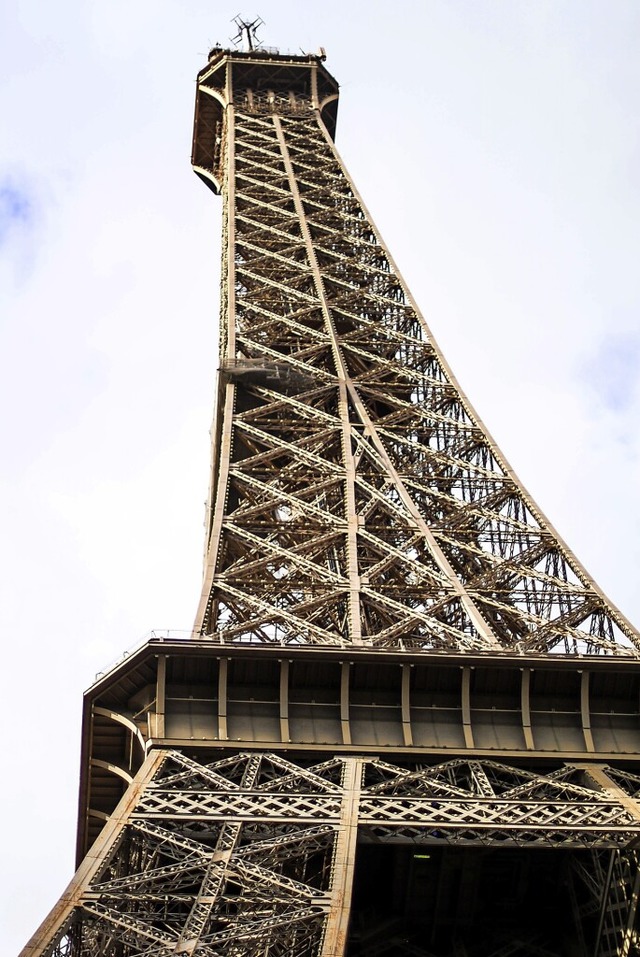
<point>614,370</point>
<point>16,209</point>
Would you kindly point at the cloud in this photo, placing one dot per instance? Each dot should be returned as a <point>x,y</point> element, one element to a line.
<point>613,370</point>
<point>20,218</point>
<point>17,209</point>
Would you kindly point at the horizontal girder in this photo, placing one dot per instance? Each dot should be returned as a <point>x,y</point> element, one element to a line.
<point>254,853</point>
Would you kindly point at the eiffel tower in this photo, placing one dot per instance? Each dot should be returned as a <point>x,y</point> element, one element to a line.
<point>407,721</point>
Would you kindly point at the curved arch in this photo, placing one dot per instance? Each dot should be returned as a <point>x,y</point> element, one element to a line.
<point>214,93</point>
<point>113,769</point>
<point>121,719</point>
<point>208,178</point>
<point>329,113</point>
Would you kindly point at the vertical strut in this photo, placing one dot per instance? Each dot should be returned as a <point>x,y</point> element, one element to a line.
<point>109,837</point>
<point>355,625</point>
<point>335,935</point>
<point>347,390</point>
<point>161,684</point>
<point>221,458</point>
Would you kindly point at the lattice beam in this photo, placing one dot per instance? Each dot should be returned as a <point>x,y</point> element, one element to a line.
<point>356,497</point>
<point>254,853</point>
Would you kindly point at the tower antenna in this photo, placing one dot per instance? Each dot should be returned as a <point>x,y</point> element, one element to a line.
<point>247,32</point>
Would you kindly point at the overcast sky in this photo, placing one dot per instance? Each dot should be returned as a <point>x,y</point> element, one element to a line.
<point>496,143</point>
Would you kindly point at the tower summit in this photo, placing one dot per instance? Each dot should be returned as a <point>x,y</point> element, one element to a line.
<point>407,721</point>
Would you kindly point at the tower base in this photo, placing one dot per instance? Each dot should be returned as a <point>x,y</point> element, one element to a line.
<point>254,854</point>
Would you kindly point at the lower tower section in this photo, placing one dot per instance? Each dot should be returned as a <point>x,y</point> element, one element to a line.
<point>256,854</point>
<point>338,805</point>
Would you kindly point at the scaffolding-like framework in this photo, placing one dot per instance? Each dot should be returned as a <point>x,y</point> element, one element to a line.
<point>364,526</point>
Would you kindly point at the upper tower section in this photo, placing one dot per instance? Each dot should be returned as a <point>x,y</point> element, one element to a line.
<point>260,81</point>
<point>356,498</point>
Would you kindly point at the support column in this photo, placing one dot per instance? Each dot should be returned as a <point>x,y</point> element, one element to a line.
<point>623,879</point>
<point>56,921</point>
<point>344,859</point>
<point>599,776</point>
<point>161,694</point>
<point>353,573</point>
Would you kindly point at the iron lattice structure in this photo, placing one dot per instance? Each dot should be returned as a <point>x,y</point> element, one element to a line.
<point>253,854</point>
<point>361,522</point>
<point>356,496</point>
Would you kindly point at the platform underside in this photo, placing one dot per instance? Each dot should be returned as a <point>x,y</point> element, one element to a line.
<point>292,802</point>
<point>209,700</point>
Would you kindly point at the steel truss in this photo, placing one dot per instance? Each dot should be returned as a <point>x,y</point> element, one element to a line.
<point>356,497</point>
<point>357,502</point>
<point>254,854</point>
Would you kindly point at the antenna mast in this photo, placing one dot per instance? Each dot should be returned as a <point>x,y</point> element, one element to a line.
<point>247,32</point>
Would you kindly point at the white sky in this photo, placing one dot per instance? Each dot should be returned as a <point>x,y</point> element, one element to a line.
<point>496,143</point>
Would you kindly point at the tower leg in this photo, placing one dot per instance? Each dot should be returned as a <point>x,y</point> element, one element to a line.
<point>254,855</point>
<point>57,932</point>
<point>335,937</point>
<point>236,857</point>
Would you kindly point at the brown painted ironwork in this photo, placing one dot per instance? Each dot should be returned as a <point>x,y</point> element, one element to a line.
<point>356,496</point>
<point>254,854</point>
<point>393,648</point>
